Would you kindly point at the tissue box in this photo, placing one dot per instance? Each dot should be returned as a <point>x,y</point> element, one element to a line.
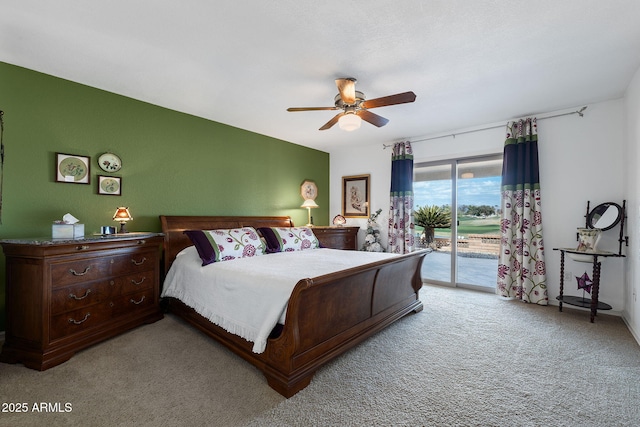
<point>67,231</point>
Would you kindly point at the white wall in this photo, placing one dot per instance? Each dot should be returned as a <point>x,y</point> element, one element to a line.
<point>373,160</point>
<point>631,313</point>
<point>580,159</point>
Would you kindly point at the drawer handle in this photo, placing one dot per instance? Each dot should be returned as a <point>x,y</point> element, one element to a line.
<point>75,273</point>
<point>86,294</point>
<point>142,242</point>
<point>139,263</point>
<point>82,247</point>
<point>79,322</point>
<point>138,283</point>
<point>137,302</point>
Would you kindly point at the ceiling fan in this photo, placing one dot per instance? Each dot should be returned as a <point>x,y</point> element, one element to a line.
<point>355,106</point>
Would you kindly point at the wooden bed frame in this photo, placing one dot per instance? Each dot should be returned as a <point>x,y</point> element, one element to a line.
<point>326,315</point>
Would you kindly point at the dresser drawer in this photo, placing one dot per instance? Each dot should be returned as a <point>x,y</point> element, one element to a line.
<point>80,320</point>
<point>135,282</point>
<point>79,271</point>
<point>137,261</point>
<point>130,303</point>
<point>338,241</point>
<point>79,296</point>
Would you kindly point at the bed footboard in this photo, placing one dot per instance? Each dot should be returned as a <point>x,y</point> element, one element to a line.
<point>330,314</point>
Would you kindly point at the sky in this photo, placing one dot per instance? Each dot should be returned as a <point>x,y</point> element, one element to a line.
<point>471,191</point>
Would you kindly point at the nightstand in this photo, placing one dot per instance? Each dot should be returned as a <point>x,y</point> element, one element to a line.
<point>337,237</point>
<point>65,295</point>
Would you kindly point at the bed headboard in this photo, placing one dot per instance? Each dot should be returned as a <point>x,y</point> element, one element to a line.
<point>175,240</point>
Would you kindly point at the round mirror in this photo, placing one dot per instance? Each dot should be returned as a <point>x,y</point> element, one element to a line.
<point>605,216</point>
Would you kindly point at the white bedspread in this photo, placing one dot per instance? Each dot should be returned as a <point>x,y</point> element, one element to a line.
<point>248,296</point>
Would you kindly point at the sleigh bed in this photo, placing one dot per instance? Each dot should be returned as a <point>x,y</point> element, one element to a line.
<point>325,315</point>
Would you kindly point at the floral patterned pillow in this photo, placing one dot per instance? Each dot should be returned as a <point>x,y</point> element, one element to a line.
<point>289,239</point>
<point>226,244</point>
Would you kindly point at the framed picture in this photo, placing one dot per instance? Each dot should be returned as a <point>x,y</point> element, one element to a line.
<point>355,196</point>
<point>72,169</point>
<point>110,185</point>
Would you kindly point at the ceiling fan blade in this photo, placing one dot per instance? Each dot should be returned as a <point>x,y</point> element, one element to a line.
<point>399,98</point>
<point>332,122</point>
<point>347,89</point>
<point>311,108</point>
<point>372,118</point>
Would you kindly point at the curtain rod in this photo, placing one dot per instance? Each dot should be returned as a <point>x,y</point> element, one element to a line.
<point>578,112</point>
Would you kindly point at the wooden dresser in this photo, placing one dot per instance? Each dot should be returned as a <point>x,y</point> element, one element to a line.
<point>65,295</point>
<point>337,237</point>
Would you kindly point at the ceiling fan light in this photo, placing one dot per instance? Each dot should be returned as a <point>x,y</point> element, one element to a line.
<point>349,122</point>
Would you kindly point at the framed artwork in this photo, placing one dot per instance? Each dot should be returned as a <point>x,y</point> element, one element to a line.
<point>355,196</point>
<point>73,169</point>
<point>110,185</point>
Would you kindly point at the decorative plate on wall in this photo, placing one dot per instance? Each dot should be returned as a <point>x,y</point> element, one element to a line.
<point>309,190</point>
<point>109,162</point>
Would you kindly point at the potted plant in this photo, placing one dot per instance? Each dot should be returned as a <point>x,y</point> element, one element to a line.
<point>430,218</point>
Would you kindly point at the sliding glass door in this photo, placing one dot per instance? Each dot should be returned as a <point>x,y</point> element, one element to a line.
<point>433,193</point>
<point>466,192</point>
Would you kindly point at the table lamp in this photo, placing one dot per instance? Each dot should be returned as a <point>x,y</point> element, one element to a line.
<point>309,203</point>
<point>122,215</point>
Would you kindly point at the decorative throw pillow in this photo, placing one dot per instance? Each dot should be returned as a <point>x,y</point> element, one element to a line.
<point>226,244</point>
<point>288,239</point>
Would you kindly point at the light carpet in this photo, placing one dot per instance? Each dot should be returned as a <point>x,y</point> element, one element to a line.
<point>468,359</point>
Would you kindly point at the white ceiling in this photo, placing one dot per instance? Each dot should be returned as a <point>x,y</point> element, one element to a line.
<point>470,62</point>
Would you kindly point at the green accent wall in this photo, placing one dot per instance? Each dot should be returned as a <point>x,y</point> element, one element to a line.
<point>173,163</point>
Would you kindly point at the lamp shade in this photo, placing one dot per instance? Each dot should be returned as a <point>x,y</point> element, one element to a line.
<point>122,214</point>
<point>349,122</point>
<point>309,203</point>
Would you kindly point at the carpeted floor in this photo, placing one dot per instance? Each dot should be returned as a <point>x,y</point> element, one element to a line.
<point>468,359</point>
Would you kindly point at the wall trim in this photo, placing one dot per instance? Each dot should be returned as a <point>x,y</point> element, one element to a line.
<point>630,327</point>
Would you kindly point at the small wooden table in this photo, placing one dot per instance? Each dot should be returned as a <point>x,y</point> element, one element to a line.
<point>592,303</point>
<point>337,237</point>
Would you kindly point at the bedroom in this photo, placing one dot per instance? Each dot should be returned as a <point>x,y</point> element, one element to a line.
<point>162,154</point>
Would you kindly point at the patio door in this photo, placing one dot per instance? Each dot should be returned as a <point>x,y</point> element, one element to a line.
<point>465,253</point>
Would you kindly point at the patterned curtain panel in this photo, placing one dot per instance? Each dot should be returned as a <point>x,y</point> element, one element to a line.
<point>521,266</point>
<point>401,227</point>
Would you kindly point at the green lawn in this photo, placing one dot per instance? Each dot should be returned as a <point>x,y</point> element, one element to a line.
<point>472,225</point>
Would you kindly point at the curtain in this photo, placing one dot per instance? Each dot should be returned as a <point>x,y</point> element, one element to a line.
<point>521,266</point>
<point>1,160</point>
<point>401,227</point>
